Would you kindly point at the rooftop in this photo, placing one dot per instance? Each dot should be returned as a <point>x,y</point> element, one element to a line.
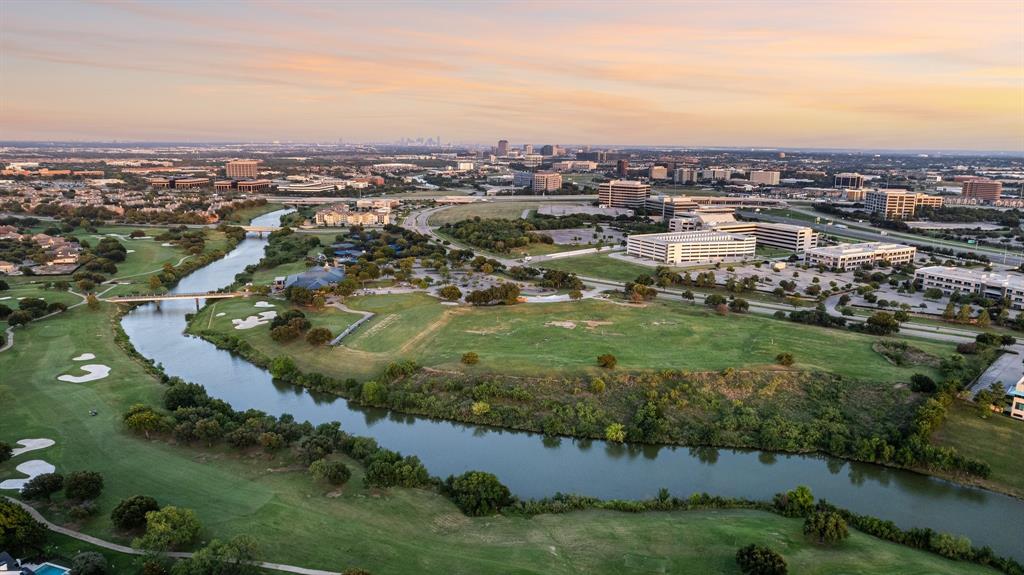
<point>697,237</point>
<point>854,249</point>
<point>977,276</point>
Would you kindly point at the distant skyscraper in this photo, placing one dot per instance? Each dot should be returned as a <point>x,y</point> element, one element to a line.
<point>622,168</point>
<point>987,190</point>
<point>242,168</point>
<point>547,150</point>
<point>502,147</point>
<point>527,149</point>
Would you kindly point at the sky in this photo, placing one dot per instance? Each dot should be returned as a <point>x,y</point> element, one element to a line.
<point>850,74</point>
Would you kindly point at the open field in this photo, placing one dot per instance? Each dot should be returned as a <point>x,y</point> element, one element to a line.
<point>297,520</point>
<point>240,308</point>
<point>245,215</point>
<point>506,210</point>
<point>529,339</point>
<point>997,440</point>
<point>598,266</point>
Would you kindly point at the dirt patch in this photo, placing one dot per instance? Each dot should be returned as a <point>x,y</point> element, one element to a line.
<point>901,353</point>
<point>592,324</point>
<point>383,323</point>
<point>562,324</point>
<point>449,522</point>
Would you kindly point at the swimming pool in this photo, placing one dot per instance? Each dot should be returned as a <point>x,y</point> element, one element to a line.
<point>51,569</point>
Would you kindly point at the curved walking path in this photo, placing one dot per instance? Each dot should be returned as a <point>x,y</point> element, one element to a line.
<point>367,316</point>
<point>130,551</point>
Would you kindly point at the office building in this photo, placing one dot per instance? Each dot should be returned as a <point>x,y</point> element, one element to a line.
<point>657,173</point>
<point>786,236</point>
<point>522,179</point>
<point>242,169</point>
<point>668,206</point>
<point>700,246</point>
<point>532,160</point>
<point>547,182</point>
<point>986,190</point>
<point>623,194</point>
<point>852,195</point>
<point>622,168</point>
<point>502,147</point>
<point>764,177</point>
<point>992,285</point>
<point>898,204</point>
<point>716,174</point>
<point>848,180</point>
<point>851,256</point>
<point>684,176</point>
<point>547,150</point>
<point>527,149</point>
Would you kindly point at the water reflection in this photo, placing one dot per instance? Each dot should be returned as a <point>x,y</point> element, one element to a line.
<point>535,466</point>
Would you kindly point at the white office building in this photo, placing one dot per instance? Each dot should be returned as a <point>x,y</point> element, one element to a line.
<point>686,247</point>
<point>993,285</point>
<point>850,256</point>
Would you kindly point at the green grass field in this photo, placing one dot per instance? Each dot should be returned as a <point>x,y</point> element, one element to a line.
<point>527,339</point>
<point>996,440</point>
<point>600,266</point>
<point>299,521</point>
<point>506,210</point>
<point>246,215</point>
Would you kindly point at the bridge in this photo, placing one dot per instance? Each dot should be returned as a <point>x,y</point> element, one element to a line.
<point>175,296</point>
<point>260,229</point>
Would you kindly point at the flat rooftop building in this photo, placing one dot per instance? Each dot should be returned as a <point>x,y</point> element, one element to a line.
<point>848,180</point>
<point>668,206</point>
<point>993,285</point>
<point>987,190</point>
<point>681,247</point>
<point>785,236</point>
<point>623,194</point>
<point>242,169</point>
<point>850,256</point>
<point>898,204</point>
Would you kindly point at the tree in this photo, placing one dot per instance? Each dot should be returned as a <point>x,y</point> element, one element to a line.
<point>881,323</point>
<point>714,300</point>
<point>20,317</point>
<point>334,472</point>
<point>984,320</point>
<point>43,486</point>
<point>130,514</point>
<point>169,528</point>
<point>760,560</point>
<point>5,451</point>
<point>739,305</point>
<point>478,493</point>
<point>155,282</point>
<point>20,533</point>
<point>209,430</point>
<point>615,432</point>
<point>796,502</point>
<point>607,361</point>
<point>144,419</point>
<point>575,295</point>
<point>964,315</point>
<point>89,563</point>
<point>83,485</point>
<point>92,301</point>
<point>470,358</point>
<point>826,526</point>
<point>784,358</point>
<point>318,336</point>
<point>237,556</point>
<point>950,312</point>
<point>992,396</point>
<point>450,293</point>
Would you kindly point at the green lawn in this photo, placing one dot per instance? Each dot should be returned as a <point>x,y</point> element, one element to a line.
<point>996,440</point>
<point>491,209</point>
<point>299,521</point>
<point>245,215</point>
<point>600,266</point>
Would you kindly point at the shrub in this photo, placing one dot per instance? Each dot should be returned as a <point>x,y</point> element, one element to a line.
<point>922,383</point>
<point>318,336</point>
<point>5,451</point>
<point>334,472</point>
<point>607,361</point>
<point>597,386</point>
<point>89,563</point>
<point>470,358</point>
<point>43,486</point>
<point>478,493</point>
<point>83,485</point>
<point>480,408</point>
<point>796,502</point>
<point>615,432</point>
<point>450,293</point>
<point>760,560</point>
<point>131,513</point>
<point>826,527</point>
<point>83,510</point>
<point>784,358</point>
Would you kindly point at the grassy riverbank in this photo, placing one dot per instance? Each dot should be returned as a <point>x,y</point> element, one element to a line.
<point>996,439</point>
<point>299,521</point>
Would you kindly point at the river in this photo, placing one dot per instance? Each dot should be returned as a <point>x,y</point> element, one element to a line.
<point>533,466</point>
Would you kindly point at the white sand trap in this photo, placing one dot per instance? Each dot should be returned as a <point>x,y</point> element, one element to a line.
<point>31,445</point>
<point>254,320</point>
<point>264,304</point>
<point>130,251</point>
<point>221,314</point>
<point>167,245</point>
<point>30,468</point>
<point>93,371</point>
<point>5,297</point>
<point>84,357</point>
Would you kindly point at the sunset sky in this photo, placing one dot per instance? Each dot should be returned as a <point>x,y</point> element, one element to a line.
<point>856,74</point>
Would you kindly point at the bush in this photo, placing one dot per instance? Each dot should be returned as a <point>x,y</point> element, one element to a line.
<point>784,358</point>
<point>826,527</point>
<point>615,432</point>
<point>334,472</point>
<point>43,486</point>
<point>470,358</point>
<point>83,510</point>
<point>478,493</point>
<point>5,448</point>
<point>318,336</point>
<point>450,293</point>
<point>760,560</point>
<point>922,383</point>
<point>83,485</point>
<point>89,563</point>
<point>130,513</point>
<point>607,361</point>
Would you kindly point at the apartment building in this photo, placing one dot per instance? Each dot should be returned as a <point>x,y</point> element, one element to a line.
<point>716,174</point>
<point>699,246</point>
<point>848,180</point>
<point>242,169</point>
<point>764,177</point>
<point>342,215</point>
<point>685,176</point>
<point>993,285</point>
<point>547,182</point>
<point>623,194</point>
<point>657,173</point>
<point>851,256</point>
<point>786,236</point>
<point>984,189</point>
<point>898,204</point>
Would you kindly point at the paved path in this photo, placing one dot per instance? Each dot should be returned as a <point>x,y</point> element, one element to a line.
<point>367,316</point>
<point>130,551</point>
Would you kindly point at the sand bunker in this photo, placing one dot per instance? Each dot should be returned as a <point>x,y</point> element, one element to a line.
<point>3,298</point>
<point>93,371</point>
<point>130,251</point>
<point>254,320</point>
<point>221,314</point>
<point>167,245</point>
<point>31,445</point>
<point>84,357</point>
<point>589,324</point>
<point>264,304</point>
<point>565,324</point>
<point>31,469</point>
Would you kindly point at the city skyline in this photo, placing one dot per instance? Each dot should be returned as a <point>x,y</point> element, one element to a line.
<point>869,76</point>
